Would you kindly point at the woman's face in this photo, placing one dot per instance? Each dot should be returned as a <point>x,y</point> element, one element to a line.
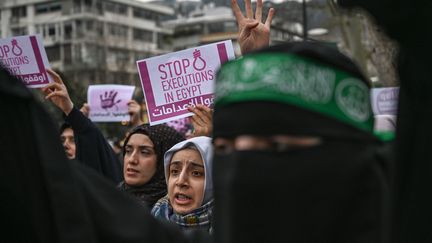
<point>186,179</point>
<point>140,160</point>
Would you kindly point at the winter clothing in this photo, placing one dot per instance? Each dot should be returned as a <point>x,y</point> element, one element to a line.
<point>92,149</point>
<point>336,191</point>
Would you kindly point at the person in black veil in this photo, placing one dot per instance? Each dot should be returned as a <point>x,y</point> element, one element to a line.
<point>295,155</point>
<point>403,21</point>
<point>47,198</point>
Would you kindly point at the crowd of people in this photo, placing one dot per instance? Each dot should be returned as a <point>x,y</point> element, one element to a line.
<point>288,154</point>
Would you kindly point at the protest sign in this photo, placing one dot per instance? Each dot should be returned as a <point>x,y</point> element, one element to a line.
<point>108,103</point>
<point>25,57</point>
<point>174,81</point>
<point>385,100</point>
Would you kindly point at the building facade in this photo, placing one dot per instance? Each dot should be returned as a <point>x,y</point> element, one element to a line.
<point>91,41</point>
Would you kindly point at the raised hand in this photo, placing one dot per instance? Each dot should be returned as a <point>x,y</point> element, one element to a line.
<point>134,110</point>
<point>253,34</point>
<point>85,109</point>
<point>202,121</point>
<point>57,93</point>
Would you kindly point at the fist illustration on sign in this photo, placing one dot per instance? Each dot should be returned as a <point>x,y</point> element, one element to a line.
<point>108,100</point>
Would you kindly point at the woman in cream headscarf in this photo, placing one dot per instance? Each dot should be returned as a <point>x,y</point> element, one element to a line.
<point>189,202</point>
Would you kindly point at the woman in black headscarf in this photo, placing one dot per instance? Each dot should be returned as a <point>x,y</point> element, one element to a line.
<point>295,156</point>
<point>143,169</point>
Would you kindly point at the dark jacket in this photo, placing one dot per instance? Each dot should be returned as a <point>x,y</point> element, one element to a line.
<point>92,149</point>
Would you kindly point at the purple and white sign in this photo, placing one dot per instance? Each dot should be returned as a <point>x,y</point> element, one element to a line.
<point>174,81</point>
<point>108,102</point>
<point>25,57</point>
<point>385,100</point>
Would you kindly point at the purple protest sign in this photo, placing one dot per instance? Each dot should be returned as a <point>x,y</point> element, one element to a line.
<point>108,103</point>
<point>174,81</point>
<point>25,57</point>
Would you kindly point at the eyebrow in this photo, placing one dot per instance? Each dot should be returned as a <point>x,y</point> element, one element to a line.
<point>140,146</point>
<point>190,162</point>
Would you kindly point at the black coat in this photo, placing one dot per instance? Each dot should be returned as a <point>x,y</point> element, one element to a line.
<point>46,198</point>
<point>92,149</point>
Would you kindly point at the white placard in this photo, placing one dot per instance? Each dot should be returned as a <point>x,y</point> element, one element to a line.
<point>174,81</point>
<point>25,57</point>
<point>108,102</point>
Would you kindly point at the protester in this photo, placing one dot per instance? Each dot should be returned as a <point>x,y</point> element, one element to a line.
<point>302,127</point>
<point>189,202</point>
<point>92,149</point>
<point>412,212</point>
<point>47,198</point>
<point>68,140</point>
<point>143,151</point>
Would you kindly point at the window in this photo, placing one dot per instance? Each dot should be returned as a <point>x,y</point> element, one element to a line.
<point>143,35</point>
<point>216,27</point>
<point>68,31</point>
<point>144,14</point>
<point>116,8</point>
<point>67,50</point>
<point>19,12</point>
<point>51,30</point>
<point>42,8</point>
<point>53,53</point>
<point>117,30</point>
<point>77,51</point>
<point>230,27</point>
<point>19,31</point>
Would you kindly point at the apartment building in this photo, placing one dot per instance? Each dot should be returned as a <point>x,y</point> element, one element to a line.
<point>91,41</point>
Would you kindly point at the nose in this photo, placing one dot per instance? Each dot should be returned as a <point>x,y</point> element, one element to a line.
<point>133,158</point>
<point>66,144</point>
<point>182,179</point>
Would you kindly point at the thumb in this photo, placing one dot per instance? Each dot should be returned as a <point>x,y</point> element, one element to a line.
<point>249,26</point>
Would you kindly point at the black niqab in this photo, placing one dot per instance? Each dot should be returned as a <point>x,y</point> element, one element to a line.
<point>334,192</point>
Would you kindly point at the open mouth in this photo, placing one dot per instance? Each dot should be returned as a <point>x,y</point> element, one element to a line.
<point>131,171</point>
<point>182,198</point>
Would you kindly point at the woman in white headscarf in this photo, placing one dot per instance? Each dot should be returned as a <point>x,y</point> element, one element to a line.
<point>189,202</point>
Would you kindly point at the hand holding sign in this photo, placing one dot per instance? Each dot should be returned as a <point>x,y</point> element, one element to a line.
<point>253,34</point>
<point>58,93</point>
<point>202,120</point>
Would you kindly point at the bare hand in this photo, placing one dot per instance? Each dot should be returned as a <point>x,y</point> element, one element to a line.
<point>202,121</point>
<point>134,110</point>
<point>58,93</point>
<point>85,109</point>
<point>253,34</point>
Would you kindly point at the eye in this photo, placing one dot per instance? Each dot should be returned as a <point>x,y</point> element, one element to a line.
<point>174,172</point>
<point>128,150</point>
<point>146,151</point>
<point>197,173</point>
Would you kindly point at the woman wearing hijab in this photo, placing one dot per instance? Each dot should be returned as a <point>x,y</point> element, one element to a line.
<point>189,202</point>
<point>143,152</point>
<point>88,144</point>
<point>294,121</point>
